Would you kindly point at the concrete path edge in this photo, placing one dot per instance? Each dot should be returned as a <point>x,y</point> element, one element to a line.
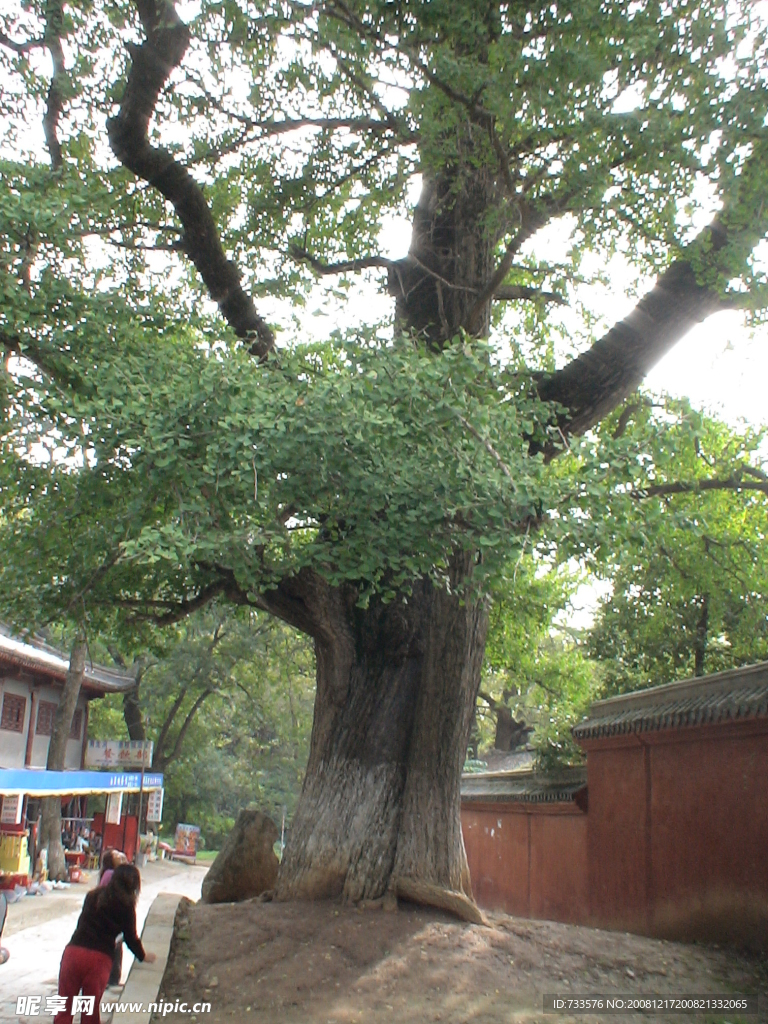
<point>143,982</point>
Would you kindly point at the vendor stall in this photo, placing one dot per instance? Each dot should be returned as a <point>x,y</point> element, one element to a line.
<point>118,828</point>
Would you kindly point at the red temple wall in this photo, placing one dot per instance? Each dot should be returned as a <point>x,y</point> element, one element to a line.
<point>674,843</point>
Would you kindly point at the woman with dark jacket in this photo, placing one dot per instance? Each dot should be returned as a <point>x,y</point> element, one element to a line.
<point>107,911</point>
<point>110,860</point>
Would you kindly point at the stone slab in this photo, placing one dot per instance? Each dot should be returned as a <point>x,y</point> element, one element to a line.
<point>143,982</point>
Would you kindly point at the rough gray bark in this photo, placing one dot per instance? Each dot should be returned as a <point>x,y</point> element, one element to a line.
<point>133,716</point>
<point>449,261</point>
<point>50,826</point>
<point>592,385</point>
<point>396,687</point>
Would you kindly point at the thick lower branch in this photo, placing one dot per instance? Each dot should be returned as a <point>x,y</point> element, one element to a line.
<point>167,38</point>
<point>23,47</point>
<point>592,385</point>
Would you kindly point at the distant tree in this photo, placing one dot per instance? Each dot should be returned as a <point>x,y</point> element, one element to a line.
<point>227,699</point>
<point>50,824</point>
<point>688,564</point>
<point>535,674</point>
<point>667,506</point>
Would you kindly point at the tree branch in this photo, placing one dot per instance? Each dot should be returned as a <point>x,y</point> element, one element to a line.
<point>489,448</point>
<point>21,48</point>
<point>593,384</point>
<point>158,757</point>
<point>178,610</point>
<point>503,293</point>
<point>530,222</point>
<point>517,292</point>
<point>178,246</point>
<point>167,38</point>
<point>185,727</point>
<point>270,128</point>
<point>344,267</point>
<point>624,419</point>
<point>755,472</point>
<point>54,17</point>
<point>731,483</point>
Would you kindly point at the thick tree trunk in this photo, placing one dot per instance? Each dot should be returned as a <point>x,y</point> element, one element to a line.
<point>50,825</point>
<point>133,716</point>
<point>132,713</point>
<point>450,259</point>
<point>396,685</point>
<point>510,733</point>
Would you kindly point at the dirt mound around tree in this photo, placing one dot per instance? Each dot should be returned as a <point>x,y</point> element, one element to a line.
<point>247,864</point>
<point>323,963</point>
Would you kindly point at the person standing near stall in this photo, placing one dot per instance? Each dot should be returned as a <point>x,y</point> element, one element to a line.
<point>87,961</point>
<point>111,860</point>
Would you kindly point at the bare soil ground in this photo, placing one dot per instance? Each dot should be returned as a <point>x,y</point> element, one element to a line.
<point>323,963</point>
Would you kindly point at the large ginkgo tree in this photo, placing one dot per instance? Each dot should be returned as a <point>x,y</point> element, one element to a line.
<point>172,434</point>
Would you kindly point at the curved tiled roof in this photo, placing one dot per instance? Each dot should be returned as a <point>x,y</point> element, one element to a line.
<point>525,786</point>
<point>47,661</point>
<point>726,696</point>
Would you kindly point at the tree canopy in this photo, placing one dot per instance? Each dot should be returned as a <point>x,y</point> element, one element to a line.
<point>666,507</point>
<point>291,133</point>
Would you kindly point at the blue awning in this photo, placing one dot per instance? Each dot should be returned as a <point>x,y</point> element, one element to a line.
<point>41,782</point>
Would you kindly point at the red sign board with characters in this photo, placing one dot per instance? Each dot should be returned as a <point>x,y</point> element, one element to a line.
<point>187,839</point>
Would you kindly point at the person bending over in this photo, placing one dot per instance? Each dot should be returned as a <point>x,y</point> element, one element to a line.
<point>87,961</point>
<point>111,860</point>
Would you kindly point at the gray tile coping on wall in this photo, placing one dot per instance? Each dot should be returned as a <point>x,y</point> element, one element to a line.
<point>143,982</point>
<point>734,695</point>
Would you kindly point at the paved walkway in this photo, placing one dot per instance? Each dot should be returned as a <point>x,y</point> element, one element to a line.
<point>36,950</point>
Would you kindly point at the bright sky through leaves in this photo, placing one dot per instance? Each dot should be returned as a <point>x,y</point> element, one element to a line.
<point>721,365</point>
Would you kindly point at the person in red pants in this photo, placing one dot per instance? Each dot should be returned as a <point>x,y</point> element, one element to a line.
<point>87,960</point>
<point>111,859</point>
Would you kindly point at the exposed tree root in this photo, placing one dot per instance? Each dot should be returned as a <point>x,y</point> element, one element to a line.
<point>389,902</point>
<point>428,895</point>
<point>370,904</point>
